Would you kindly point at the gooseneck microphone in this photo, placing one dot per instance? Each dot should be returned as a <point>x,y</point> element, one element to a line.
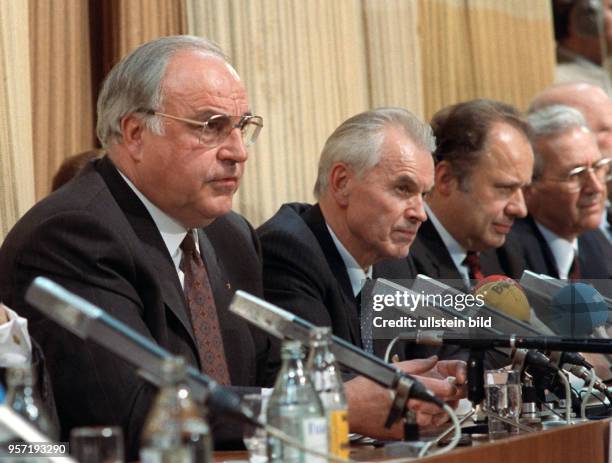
<point>285,325</point>
<point>90,322</point>
<point>545,343</point>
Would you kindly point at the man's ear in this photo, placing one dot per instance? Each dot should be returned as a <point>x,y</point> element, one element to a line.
<point>340,181</point>
<point>444,179</point>
<point>132,129</point>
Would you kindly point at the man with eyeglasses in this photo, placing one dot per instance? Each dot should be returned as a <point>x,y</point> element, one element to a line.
<point>560,236</point>
<point>147,234</point>
<point>596,107</point>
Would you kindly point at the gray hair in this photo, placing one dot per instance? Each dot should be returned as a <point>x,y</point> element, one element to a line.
<point>135,83</point>
<point>358,140</point>
<point>550,120</point>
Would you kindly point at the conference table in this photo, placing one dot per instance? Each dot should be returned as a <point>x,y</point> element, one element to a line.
<point>579,443</point>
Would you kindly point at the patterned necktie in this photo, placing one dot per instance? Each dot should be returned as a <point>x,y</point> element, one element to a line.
<point>365,319</point>
<point>472,260</point>
<point>203,311</point>
<point>574,271</point>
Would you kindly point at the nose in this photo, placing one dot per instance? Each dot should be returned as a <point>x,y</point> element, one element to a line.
<point>593,184</point>
<point>232,149</point>
<point>415,209</point>
<point>516,206</point>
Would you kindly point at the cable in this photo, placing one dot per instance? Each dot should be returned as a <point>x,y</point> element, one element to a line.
<point>568,397</point>
<point>454,441</point>
<point>586,397</point>
<point>389,347</point>
<point>552,410</point>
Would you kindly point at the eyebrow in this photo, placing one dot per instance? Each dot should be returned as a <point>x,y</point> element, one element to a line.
<point>408,181</point>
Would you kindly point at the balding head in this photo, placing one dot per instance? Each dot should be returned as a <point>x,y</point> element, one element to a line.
<point>590,100</point>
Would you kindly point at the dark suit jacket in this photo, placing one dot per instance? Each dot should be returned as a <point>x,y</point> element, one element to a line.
<point>305,274</point>
<point>96,238</point>
<point>594,251</point>
<point>431,258</point>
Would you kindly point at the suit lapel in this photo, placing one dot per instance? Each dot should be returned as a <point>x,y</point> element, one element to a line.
<point>547,254</point>
<point>153,245</point>
<point>316,222</point>
<point>437,262</point>
<point>595,254</point>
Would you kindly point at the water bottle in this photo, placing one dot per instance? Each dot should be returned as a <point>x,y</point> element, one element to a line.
<point>321,365</point>
<point>295,408</point>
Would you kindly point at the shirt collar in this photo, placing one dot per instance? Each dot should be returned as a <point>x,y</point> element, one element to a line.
<point>456,251</point>
<point>356,274</point>
<point>172,232</point>
<point>562,250</point>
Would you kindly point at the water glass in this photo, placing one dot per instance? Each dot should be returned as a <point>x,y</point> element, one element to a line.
<point>502,398</point>
<point>103,444</point>
<point>255,438</point>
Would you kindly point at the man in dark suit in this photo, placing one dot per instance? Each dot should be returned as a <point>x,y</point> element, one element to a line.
<point>596,107</point>
<point>147,234</point>
<point>561,237</point>
<point>373,171</point>
<point>483,160</point>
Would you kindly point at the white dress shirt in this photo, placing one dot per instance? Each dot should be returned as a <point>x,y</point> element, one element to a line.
<point>172,232</point>
<point>357,275</point>
<point>562,250</point>
<point>15,343</point>
<point>456,251</point>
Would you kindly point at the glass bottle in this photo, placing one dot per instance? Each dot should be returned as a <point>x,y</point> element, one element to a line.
<point>175,430</point>
<point>23,398</point>
<point>321,365</point>
<point>295,408</point>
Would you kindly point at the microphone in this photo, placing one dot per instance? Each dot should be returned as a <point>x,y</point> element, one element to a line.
<point>87,321</point>
<point>506,295</point>
<point>577,310</point>
<point>285,325</point>
<point>440,338</point>
<point>584,374</point>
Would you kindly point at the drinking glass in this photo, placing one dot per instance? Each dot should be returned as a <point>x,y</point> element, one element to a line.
<point>255,438</point>
<point>103,444</point>
<point>502,398</point>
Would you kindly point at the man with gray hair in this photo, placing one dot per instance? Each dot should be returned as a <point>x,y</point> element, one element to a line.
<point>560,236</point>
<point>596,107</point>
<point>373,172</point>
<point>128,235</point>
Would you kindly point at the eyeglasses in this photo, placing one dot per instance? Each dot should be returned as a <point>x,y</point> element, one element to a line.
<point>578,176</point>
<point>218,127</point>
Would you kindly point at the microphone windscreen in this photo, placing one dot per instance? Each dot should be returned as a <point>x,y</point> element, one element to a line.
<point>576,310</point>
<point>506,295</point>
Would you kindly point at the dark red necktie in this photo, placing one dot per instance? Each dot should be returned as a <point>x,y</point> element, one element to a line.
<point>203,312</point>
<point>574,272</point>
<point>472,260</point>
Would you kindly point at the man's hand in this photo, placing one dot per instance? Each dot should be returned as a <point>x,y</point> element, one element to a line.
<point>437,377</point>
<point>369,403</point>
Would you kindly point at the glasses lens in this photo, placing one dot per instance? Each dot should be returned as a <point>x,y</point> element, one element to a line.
<point>250,130</point>
<point>602,169</point>
<point>216,130</point>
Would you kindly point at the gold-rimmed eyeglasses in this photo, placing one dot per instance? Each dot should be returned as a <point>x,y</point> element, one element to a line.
<point>577,177</point>
<point>218,127</point>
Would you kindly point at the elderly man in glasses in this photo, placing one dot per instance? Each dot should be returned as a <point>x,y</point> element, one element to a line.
<point>147,233</point>
<point>560,236</point>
